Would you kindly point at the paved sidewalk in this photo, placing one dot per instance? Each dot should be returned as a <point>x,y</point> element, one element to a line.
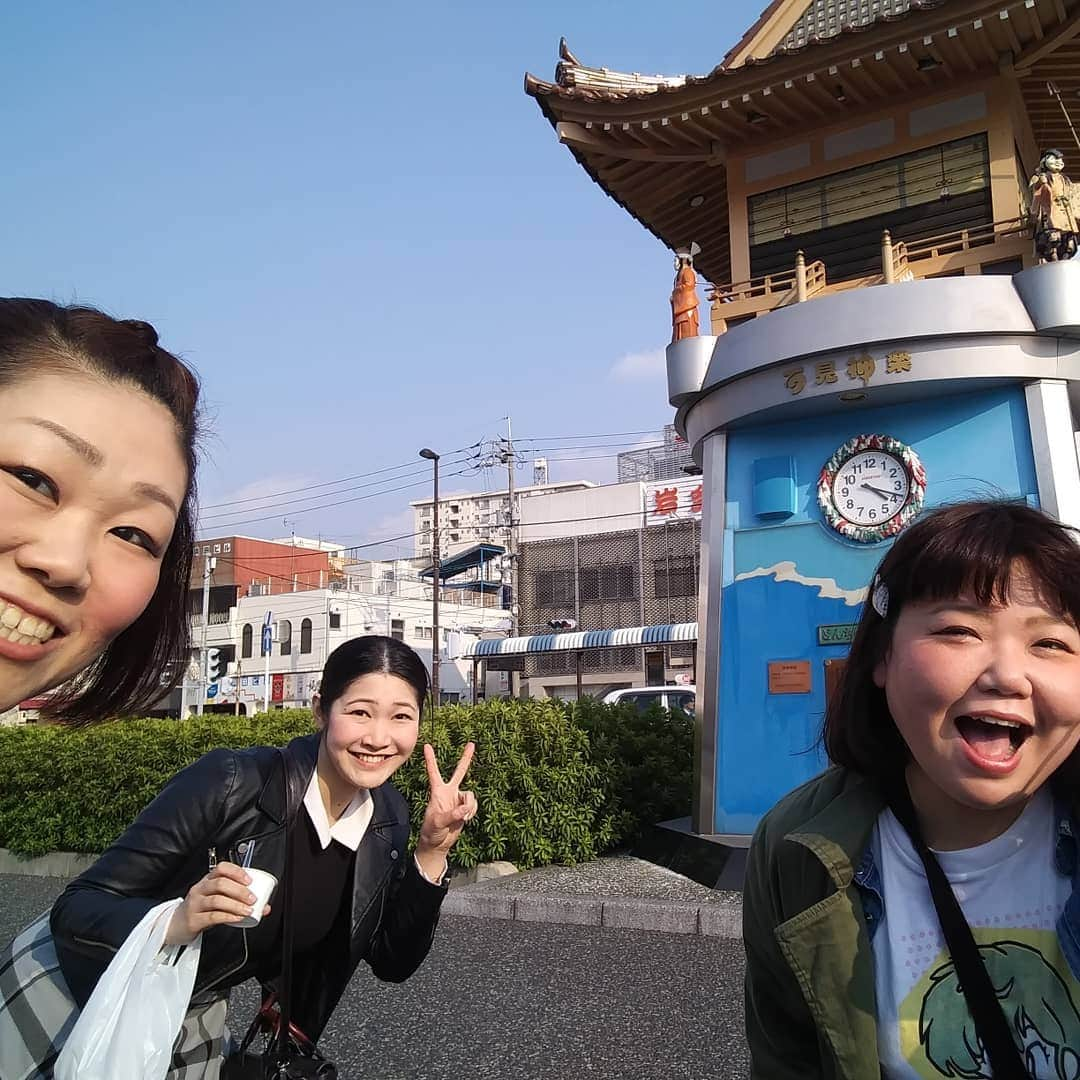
<point>617,891</point>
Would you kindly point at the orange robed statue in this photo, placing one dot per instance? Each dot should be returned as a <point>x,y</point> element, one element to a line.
<point>684,297</point>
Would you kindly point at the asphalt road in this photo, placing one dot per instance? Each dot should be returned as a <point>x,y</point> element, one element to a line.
<point>523,1000</point>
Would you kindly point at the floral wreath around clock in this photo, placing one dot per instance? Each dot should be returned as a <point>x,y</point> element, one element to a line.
<point>868,534</point>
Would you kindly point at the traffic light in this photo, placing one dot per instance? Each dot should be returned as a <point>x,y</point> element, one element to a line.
<point>215,666</point>
<point>217,662</point>
<point>562,624</point>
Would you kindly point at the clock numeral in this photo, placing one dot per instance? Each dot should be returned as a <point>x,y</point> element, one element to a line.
<point>850,504</point>
<point>899,485</point>
<point>892,473</point>
<point>885,509</point>
<point>850,479</point>
<point>845,492</point>
<point>873,515</point>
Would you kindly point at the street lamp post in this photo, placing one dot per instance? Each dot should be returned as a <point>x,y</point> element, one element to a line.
<point>436,641</point>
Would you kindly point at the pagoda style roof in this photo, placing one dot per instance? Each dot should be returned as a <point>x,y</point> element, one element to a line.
<point>656,143</point>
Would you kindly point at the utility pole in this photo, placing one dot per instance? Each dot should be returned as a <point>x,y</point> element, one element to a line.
<point>436,567</point>
<point>204,664</point>
<point>510,564</point>
<point>510,574</point>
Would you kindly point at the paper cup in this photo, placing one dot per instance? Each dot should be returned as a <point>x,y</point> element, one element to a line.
<point>262,885</point>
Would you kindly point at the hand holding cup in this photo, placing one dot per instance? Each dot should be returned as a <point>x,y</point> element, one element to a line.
<point>227,896</point>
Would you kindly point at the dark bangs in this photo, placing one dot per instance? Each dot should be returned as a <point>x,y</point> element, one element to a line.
<point>964,549</point>
<point>973,549</point>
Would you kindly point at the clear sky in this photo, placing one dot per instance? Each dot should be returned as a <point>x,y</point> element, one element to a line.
<point>354,224</point>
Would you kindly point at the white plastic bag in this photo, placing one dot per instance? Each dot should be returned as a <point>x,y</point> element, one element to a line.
<point>129,1025</point>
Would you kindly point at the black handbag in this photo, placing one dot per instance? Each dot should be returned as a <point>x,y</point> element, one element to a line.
<point>982,1002</point>
<point>288,1051</point>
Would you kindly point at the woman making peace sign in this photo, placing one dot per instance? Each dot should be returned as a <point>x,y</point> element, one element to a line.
<point>357,894</point>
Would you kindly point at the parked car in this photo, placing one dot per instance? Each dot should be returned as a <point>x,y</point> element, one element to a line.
<point>645,697</point>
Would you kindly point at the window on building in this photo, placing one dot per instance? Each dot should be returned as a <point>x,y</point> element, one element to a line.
<point>839,218</point>
<point>227,548</point>
<point>397,629</point>
<point>675,576</point>
<point>335,620</point>
<point>555,587</point>
<point>217,549</point>
<point>305,636</point>
<point>245,642</point>
<point>423,633</point>
<point>608,583</point>
<point>285,629</point>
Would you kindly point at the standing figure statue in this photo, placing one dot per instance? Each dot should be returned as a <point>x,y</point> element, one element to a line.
<point>684,296</point>
<point>1053,209</point>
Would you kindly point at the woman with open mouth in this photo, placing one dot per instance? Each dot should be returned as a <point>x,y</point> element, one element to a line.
<point>97,478</point>
<point>914,911</point>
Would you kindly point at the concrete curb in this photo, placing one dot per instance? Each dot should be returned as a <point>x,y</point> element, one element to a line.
<point>62,864</point>
<point>616,912</point>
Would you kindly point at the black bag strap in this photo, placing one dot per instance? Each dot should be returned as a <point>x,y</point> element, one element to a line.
<point>279,1050</point>
<point>982,1001</point>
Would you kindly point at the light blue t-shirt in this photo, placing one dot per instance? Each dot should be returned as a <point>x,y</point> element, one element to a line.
<point>1011,895</point>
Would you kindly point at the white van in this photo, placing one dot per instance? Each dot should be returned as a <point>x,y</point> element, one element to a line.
<point>645,697</point>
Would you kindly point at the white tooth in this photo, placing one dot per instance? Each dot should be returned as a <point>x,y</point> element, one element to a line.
<point>5,632</point>
<point>28,626</point>
<point>45,631</point>
<point>12,617</point>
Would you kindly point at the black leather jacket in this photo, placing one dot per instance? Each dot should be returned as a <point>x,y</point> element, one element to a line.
<point>226,798</point>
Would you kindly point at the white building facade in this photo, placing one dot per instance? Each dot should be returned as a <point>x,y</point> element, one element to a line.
<point>476,518</point>
<point>377,598</point>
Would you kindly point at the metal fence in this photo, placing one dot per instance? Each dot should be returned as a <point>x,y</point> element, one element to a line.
<point>638,577</point>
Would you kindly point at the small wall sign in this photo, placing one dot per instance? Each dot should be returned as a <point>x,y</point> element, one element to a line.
<point>836,634</point>
<point>789,676</point>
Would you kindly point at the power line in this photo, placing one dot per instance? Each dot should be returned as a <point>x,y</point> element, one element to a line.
<point>330,505</point>
<point>601,435</point>
<point>392,480</point>
<point>331,483</point>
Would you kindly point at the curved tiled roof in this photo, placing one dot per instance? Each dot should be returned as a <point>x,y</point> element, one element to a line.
<point>576,80</point>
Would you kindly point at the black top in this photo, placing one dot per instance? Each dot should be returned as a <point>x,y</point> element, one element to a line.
<point>323,898</point>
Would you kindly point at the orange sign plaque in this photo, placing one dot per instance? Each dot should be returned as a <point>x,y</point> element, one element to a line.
<point>789,676</point>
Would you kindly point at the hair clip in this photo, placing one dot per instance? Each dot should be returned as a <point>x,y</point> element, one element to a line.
<point>879,596</point>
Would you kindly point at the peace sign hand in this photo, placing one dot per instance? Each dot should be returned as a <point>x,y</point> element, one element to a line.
<point>448,809</point>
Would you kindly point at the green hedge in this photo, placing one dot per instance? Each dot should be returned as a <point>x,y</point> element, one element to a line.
<point>556,783</point>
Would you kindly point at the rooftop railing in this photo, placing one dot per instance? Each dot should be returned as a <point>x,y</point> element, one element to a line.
<point>964,251</point>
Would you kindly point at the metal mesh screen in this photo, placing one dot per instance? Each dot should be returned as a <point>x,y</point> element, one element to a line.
<point>632,578</point>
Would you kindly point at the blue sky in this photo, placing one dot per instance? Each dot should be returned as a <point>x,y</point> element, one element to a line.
<point>351,220</point>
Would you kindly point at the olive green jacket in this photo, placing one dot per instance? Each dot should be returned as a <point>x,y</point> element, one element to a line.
<point>810,1006</point>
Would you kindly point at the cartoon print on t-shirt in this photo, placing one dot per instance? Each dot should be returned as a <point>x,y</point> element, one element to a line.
<point>1038,1008</point>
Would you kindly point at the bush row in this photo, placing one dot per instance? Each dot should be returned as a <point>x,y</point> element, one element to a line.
<point>556,782</point>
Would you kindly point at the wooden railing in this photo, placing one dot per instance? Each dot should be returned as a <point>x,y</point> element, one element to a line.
<point>767,293</point>
<point>962,250</point>
<point>957,250</point>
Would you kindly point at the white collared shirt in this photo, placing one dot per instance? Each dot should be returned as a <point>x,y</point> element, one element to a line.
<point>350,827</point>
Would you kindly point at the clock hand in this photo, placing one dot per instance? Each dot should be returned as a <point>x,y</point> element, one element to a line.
<point>878,491</point>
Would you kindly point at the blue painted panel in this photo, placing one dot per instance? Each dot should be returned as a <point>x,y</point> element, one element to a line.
<point>782,581</point>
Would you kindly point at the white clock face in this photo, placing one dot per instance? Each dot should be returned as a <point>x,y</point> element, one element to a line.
<point>870,488</point>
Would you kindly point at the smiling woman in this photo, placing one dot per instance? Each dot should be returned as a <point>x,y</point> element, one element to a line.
<point>318,819</point>
<point>98,426</point>
<point>928,915</point>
